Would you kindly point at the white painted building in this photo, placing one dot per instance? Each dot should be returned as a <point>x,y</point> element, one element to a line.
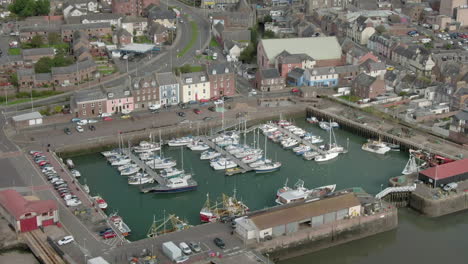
<point>195,86</point>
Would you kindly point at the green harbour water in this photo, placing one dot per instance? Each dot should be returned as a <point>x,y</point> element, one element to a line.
<point>356,168</point>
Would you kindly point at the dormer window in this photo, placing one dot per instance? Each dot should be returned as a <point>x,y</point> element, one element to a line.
<point>226,70</point>
<point>188,80</point>
<point>213,72</point>
<point>203,78</point>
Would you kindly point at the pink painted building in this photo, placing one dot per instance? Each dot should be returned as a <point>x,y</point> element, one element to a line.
<point>119,100</point>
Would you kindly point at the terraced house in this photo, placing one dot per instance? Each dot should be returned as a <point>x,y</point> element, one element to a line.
<point>195,86</point>
<point>168,88</point>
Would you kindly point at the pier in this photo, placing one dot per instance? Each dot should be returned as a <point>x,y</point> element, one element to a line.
<point>37,242</point>
<point>144,167</point>
<point>245,167</point>
<point>299,139</point>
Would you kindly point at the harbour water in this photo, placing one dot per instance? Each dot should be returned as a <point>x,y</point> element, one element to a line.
<point>416,236</point>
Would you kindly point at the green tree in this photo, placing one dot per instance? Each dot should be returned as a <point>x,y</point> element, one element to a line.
<point>60,61</point>
<point>14,79</point>
<point>267,18</point>
<point>268,34</point>
<point>54,38</point>
<point>36,41</point>
<point>380,29</point>
<point>42,7</point>
<point>43,65</point>
<point>248,54</point>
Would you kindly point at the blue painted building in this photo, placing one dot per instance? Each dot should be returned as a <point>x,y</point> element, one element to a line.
<point>321,77</point>
<point>295,77</point>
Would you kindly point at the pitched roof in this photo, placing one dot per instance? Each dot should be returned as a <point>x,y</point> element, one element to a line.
<point>100,16</point>
<point>74,67</point>
<point>270,73</point>
<point>295,212</point>
<point>85,26</point>
<point>166,78</point>
<point>89,95</point>
<point>28,116</point>
<point>447,170</point>
<point>296,73</point>
<point>462,115</point>
<point>220,68</point>
<point>319,48</point>
<point>364,79</point>
<point>18,206</point>
<point>25,72</point>
<point>194,77</point>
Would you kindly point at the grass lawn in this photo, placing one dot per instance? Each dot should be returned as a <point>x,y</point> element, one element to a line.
<point>351,98</point>
<point>192,41</point>
<point>24,100</point>
<point>14,51</point>
<point>214,43</point>
<point>142,39</point>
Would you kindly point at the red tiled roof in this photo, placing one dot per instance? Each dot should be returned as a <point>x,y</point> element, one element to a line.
<point>16,205</point>
<point>447,170</point>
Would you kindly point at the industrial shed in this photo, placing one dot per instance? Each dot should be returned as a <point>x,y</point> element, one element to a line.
<point>440,175</point>
<point>290,218</point>
<point>29,119</point>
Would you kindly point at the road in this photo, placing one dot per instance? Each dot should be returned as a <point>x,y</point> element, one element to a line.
<point>163,62</point>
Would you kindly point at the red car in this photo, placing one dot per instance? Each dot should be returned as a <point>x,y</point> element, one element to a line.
<point>107,118</point>
<point>42,163</point>
<point>215,98</point>
<point>204,100</point>
<point>109,235</point>
<point>37,154</point>
<point>197,111</point>
<point>294,90</point>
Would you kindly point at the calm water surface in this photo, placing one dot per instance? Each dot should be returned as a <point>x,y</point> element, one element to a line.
<point>416,236</point>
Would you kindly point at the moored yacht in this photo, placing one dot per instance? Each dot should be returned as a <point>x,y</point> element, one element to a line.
<point>177,184</point>
<point>146,146</point>
<point>376,147</point>
<point>129,171</point>
<point>209,154</point>
<point>268,167</point>
<point>183,141</point>
<point>327,156</point>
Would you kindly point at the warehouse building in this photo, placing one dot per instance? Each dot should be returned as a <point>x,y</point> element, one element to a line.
<point>440,175</point>
<point>27,213</point>
<point>291,218</point>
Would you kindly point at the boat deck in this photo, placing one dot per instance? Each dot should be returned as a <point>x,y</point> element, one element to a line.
<point>299,139</point>
<point>217,148</point>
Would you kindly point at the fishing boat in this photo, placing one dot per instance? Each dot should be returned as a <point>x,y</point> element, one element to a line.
<point>393,147</point>
<point>166,225</point>
<point>226,207</point>
<point>129,171</point>
<point>209,154</point>
<point>178,184</point>
<point>100,202</point>
<point>161,164</point>
<point>312,120</point>
<point>171,172</point>
<point>139,180</point>
<point>412,165</point>
<point>118,222</point>
<point>183,141</point>
<point>130,165</point>
<point>70,163</point>
<point>75,173</point>
<point>310,155</point>
<point>374,146</point>
<point>146,146</point>
<point>286,195</point>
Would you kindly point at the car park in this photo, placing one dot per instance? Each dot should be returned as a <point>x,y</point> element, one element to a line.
<point>79,129</point>
<point>185,248</point>
<point>195,247</point>
<point>67,131</point>
<point>65,240</point>
<point>72,202</point>
<point>219,242</point>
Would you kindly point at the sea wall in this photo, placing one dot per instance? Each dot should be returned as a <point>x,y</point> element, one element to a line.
<point>439,207</point>
<point>313,239</point>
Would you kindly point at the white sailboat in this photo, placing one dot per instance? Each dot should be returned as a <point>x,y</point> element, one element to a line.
<point>332,150</point>
<point>267,167</point>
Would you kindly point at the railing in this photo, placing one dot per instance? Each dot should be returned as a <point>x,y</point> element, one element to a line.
<point>389,190</point>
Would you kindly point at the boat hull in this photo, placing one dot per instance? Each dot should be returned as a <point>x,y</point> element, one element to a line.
<point>175,190</point>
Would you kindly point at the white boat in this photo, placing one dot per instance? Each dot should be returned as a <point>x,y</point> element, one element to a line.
<point>123,167</point>
<point>259,162</point>
<point>110,153</point>
<point>313,139</point>
<point>171,172</point>
<point>198,146</point>
<point>334,125</point>
<point>251,158</point>
<point>148,156</point>
<point>75,173</point>
<point>146,146</point>
<point>248,152</point>
<point>301,149</point>
<point>129,171</point>
<point>86,188</point>
<point>287,195</point>
<point>312,120</point>
<point>310,155</point>
<point>183,141</point>
<point>324,125</point>
<point>164,164</point>
<point>121,161</point>
<point>70,163</point>
<point>326,156</point>
<point>376,147</point>
<point>226,136</point>
<point>411,166</point>
<point>209,154</point>
<point>268,167</point>
<point>289,143</point>
<point>223,164</point>
<point>102,204</point>
<point>227,142</point>
<point>140,180</point>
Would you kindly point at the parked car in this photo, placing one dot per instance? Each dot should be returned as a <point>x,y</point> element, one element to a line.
<point>82,122</point>
<point>126,116</point>
<point>107,118</point>
<point>65,240</point>
<point>105,115</point>
<point>67,131</point>
<point>211,108</point>
<point>181,114</point>
<point>197,111</point>
<point>185,248</point>
<point>79,129</point>
<point>91,127</point>
<point>208,118</point>
<point>219,242</point>
<point>195,247</point>
<point>109,235</point>
<point>204,100</point>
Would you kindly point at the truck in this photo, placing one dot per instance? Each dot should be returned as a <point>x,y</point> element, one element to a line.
<point>173,252</point>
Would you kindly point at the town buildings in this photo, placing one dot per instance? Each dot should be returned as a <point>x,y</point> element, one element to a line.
<point>366,86</point>
<point>131,7</point>
<point>195,86</point>
<point>169,88</point>
<point>268,80</point>
<point>222,80</point>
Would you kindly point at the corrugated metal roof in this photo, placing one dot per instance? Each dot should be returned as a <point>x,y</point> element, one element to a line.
<point>17,206</point>
<point>447,170</point>
<point>28,116</point>
<point>320,48</point>
<point>295,212</point>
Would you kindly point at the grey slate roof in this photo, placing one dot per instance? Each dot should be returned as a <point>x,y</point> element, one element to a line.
<point>38,51</point>
<point>296,73</point>
<point>85,26</point>
<point>364,80</point>
<point>347,69</point>
<point>120,91</point>
<point>43,76</point>
<point>40,28</point>
<point>158,13</point>
<point>89,95</point>
<point>74,67</point>
<point>197,77</point>
<point>270,73</point>
<point>101,16</point>
<point>166,78</point>
<point>220,68</point>
<point>25,72</point>
<point>134,19</point>
<point>462,115</point>
<point>322,71</point>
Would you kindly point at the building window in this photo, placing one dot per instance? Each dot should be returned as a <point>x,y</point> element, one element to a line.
<point>92,104</point>
<point>100,103</point>
<point>204,91</point>
<point>83,106</point>
<point>189,93</point>
<point>84,112</point>
<point>138,99</point>
<point>144,98</point>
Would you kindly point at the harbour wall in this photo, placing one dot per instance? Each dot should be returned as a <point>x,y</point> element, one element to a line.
<point>439,207</point>
<point>371,132</point>
<point>313,239</point>
<point>98,144</point>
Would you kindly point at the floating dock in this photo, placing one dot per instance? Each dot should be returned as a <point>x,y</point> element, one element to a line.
<point>245,167</point>
<point>299,139</point>
<point>145,168</point>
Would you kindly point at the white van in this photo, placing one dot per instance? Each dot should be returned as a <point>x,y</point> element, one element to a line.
<point>185,248</point>
<point>105,115</point>
<point>425,40</point>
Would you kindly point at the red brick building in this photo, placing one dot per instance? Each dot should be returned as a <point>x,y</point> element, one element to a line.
<point>27,213</point>
<point>131,7</point>
<point>89,103</point>
<point>222,80</point>
<point>366,86</point>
